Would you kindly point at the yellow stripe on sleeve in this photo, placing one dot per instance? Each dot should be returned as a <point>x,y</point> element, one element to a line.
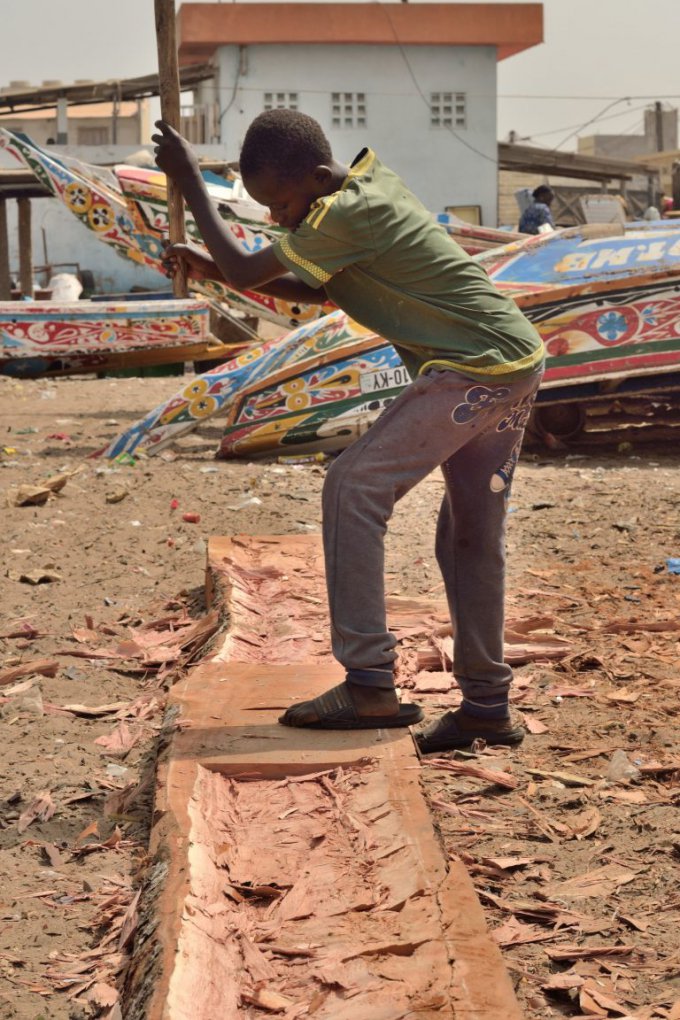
<point>316,271</point>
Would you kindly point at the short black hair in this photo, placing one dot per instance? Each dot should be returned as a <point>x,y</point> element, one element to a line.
<point>287,142</point>
<point>543,193</point>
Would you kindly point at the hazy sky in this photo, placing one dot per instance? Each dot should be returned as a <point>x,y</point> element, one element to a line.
<point>596,54</point>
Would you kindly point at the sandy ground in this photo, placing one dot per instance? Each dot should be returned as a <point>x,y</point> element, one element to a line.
<point>577,865</point>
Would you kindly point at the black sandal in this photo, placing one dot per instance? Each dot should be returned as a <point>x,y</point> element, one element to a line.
<point>335,710</point>
<point>444,734</point>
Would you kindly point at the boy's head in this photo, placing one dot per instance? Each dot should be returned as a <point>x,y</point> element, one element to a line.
<point>286,163</point>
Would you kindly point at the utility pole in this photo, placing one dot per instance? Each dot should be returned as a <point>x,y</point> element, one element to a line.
<point>658,124</point>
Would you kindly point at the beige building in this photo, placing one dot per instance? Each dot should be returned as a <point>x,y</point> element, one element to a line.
<point>96,124</point>
<point>659,132</point>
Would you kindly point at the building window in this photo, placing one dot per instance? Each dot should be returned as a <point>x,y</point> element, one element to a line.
<point>280,100</point>
<point>348,109</point>
<point>93,135</point>
<point>447,110</point>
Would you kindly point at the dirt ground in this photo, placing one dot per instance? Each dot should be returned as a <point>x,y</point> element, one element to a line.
<point>575,856</point>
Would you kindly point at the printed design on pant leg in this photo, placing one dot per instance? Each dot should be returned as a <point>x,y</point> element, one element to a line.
<point>478,398</point>
<point>518,416</point>
<point>501,479</point>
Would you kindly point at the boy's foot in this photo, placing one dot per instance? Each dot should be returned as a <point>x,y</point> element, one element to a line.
<point>352,707</point>
<point>455,730</point>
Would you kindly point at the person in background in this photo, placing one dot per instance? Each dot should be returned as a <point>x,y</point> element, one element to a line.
<point>537,218</point>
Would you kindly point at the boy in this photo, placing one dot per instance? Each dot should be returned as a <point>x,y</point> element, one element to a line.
<point>361,237</point>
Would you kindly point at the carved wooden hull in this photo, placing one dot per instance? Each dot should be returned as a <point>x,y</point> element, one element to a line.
<point>127,209</point>
<point>606,302</point>
<point>321,386</point>
<point>42,338</point>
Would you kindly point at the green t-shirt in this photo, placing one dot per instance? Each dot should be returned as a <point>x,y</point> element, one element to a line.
<point>384,260</point>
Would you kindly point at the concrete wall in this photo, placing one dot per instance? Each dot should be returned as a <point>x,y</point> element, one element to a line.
<point>65,239</point>
<point>442,169</point>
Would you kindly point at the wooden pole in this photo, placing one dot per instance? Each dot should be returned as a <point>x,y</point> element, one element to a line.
<point>168,77</point>
<point>5,279</point>
<point>25,247</point>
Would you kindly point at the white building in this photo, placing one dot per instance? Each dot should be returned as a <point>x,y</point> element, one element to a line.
<point>415,82</point>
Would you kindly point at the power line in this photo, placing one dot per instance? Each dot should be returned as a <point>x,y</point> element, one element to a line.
<point>653,98</point>
<point>568,127</point>
<point>592,120</point>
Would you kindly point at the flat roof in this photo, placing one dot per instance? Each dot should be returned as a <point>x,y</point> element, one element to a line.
<point>125,109</point>
<point>511,28</point>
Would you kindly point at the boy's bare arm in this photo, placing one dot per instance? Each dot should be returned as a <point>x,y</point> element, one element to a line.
<point>239,269</point>
<point>289,288</point>
<point>201,266</point>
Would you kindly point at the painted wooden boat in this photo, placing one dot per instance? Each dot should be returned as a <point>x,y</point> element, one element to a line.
<point>592,254</point>
<point>333,353</point>
<point>127,209</point>
<point>616,334</point>
<point>625,339</point>
<point>43,338</point>
<point>321,386</point>
<point>605,300</point>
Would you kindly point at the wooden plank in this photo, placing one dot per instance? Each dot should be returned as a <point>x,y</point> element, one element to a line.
<point>372,915</point>
<point>5,279</point>
<point>25,247</point>
<point>569,164</point>
<point>168,79</point>
<point>21,184</point>
<point>20,100</point>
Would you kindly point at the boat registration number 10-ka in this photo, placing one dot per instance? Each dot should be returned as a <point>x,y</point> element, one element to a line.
<point>385,379</point>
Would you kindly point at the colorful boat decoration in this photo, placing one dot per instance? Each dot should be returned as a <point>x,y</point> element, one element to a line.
<point>319,387</point>
<point>615,330</point>
<point>583,255</point>
<point>127,209</point>
<point>42,338</point>
<point>604,298</point>
<point>332,354</point>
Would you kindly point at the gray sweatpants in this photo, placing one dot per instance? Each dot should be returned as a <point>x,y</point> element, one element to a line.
<point>474,432</point>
